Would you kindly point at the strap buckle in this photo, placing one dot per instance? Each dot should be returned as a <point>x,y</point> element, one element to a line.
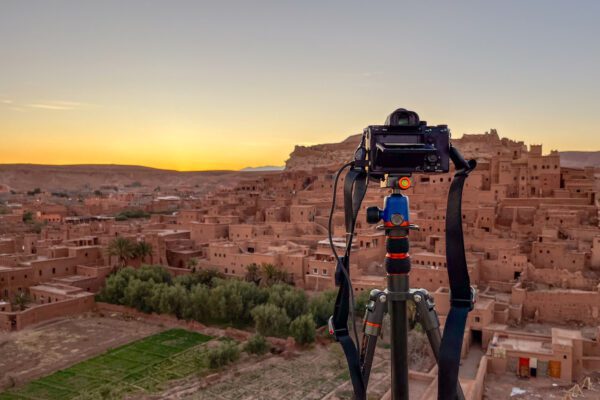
<point>336,333</point>
<point>360,157</point>
<point>469,303</point>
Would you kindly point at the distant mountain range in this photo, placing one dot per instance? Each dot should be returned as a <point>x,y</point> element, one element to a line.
<point>264,168</point>
<point>85,177</point>
<point>580,159</point>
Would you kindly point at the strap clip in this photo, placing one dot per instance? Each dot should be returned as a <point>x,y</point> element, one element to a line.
<point>469,303</point>
<point>336,333</point>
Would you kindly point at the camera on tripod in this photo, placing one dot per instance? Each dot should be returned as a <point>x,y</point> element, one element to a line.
<point>406,145</point>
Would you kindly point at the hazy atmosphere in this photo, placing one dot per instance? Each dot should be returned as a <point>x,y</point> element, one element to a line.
<point>225,85</point>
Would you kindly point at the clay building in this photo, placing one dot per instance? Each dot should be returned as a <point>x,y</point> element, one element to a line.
<point>531,236</point>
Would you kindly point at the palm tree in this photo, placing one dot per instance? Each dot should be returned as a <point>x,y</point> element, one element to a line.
<point>273,275</point>
<point>253,273</point>
<point>21,300</point>
<point>192,263</point>
<point>124,249</point>
<point>142,250</point>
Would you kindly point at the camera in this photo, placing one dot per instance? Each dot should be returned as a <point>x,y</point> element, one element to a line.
<point>406,145</point>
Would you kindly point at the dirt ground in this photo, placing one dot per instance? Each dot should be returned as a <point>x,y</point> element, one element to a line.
<point>48,347</point>
<point>498,387</point>
<point>318,373</point>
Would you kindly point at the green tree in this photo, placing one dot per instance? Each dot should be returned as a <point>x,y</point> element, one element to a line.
<point>303,328</point>
<point>142,250</point>
<point>206,277</point>
<point>156,298</point>
<point>122,248</point>
<point>138,294</point>
<point>321,306</point>
<point>232,300</point>
<point>115,285</point>
<point>271,320</point>
<point>154,272</point>
<point>257,344</point>
<point>174,300</point>
<point>294,301</point>
<point>198,304</point>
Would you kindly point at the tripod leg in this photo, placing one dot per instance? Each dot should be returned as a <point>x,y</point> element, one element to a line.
<point>374,313</point>
<point>428,318</point>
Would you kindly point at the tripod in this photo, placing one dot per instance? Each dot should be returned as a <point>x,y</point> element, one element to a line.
<point>395,217</point>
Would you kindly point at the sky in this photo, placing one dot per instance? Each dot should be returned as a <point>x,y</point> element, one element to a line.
<point>196,85</point>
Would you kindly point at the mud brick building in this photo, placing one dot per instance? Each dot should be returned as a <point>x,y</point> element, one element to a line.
<point>531,235</point>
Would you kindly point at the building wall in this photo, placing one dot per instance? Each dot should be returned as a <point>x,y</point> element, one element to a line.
<point>44,312</point>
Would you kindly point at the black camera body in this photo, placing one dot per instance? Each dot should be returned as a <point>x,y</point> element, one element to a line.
<point>406,145</point>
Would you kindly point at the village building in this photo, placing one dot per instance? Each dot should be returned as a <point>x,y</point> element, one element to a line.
<point>532,240</point>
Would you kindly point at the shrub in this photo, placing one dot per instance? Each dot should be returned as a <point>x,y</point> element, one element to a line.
<point>257,344</point>
<point>226,353</point>
<point>271,320</point>
<point>303,328</point>
<point>360,302</point>
<point>127,214</point>
<point>321,307</point>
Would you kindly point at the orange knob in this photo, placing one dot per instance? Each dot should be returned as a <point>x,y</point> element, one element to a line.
<point>404,183</point>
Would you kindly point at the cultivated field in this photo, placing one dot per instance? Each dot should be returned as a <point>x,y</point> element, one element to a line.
<point>38,351</point>
<point>139,366</point>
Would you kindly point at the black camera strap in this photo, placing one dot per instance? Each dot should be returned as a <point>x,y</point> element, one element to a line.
<point>461,294</point>
<point>462,298</point>
<point>355,186</point>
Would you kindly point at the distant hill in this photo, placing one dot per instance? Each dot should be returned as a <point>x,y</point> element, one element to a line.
<point>264,168</point>
<point>79,177</point>
<point>580,159</point>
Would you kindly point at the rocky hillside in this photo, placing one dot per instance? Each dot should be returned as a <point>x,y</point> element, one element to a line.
<point>308,157</point>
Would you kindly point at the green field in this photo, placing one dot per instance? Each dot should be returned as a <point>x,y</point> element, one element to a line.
<point>141,365</point>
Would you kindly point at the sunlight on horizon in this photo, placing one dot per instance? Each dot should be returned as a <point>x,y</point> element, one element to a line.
<point>197,87</point>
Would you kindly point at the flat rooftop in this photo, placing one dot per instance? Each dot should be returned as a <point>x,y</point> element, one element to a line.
<point>524,345</point>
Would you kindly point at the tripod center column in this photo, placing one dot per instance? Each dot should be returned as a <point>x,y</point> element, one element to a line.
<point>397,265</point>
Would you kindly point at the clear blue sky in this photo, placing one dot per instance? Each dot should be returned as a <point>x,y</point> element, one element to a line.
<point>201,85</point>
